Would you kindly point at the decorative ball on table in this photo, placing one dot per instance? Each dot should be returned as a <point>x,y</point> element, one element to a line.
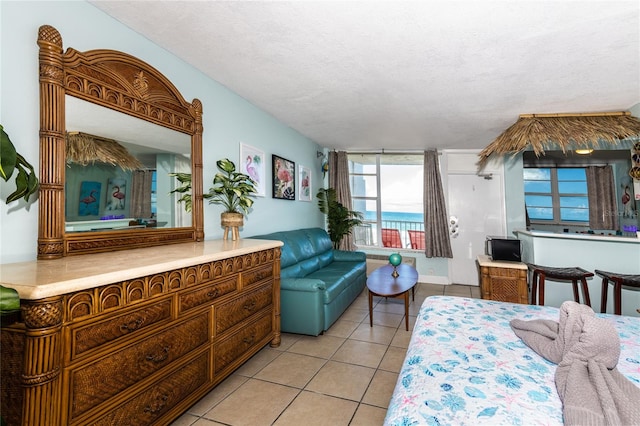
<point>395,259</point>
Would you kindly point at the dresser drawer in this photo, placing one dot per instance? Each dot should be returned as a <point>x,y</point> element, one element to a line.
<point>232,348</point>
<point>87,337</point>
<point>150,404</point>
<point>257,275</point>
<point>98,381</point>
<point>208,293</point>
<point>235,311</point>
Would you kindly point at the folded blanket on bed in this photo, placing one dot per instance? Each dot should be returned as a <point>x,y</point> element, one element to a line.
<point>586,349</point>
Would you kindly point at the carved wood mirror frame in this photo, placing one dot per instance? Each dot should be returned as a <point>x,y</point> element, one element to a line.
<point>122,83</point>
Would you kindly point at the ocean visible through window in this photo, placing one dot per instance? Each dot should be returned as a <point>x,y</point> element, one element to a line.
<point>397,217</point>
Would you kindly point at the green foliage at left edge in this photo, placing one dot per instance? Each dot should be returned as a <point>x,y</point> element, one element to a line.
<point>9,300</point>
<point>11,161</point>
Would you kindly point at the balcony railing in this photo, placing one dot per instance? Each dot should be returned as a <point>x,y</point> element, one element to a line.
<point>367,233</point>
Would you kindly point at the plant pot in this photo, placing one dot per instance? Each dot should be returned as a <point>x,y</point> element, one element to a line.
<point>233,221</point>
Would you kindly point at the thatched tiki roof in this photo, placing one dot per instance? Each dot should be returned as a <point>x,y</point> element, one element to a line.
<point>563,131</point>
<point>84,149</point>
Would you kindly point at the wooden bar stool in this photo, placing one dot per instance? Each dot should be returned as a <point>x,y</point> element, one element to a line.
<point>618,281</point>
<point>559,274</point>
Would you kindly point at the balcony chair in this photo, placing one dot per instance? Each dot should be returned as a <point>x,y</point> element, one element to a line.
<point>391,238</point>
<point>417,239</point>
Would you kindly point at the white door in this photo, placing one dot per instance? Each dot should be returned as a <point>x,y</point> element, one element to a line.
<point>476,205</point>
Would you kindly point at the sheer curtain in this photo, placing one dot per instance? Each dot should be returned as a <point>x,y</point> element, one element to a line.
<point>437,243</point>
<point>141,194</point>
<point>603,208</point>
<point>339,180</point>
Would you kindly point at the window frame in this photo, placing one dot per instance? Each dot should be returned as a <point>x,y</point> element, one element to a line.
<point>356,199</point>
<point>556,196</point>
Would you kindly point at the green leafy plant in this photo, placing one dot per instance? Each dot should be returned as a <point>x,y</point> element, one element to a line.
<point>231,189</point>
<point>340,220</point>
<point>10,161</point>
<point>9,303</point>
<point>9,300</point>
<point>184,189</point>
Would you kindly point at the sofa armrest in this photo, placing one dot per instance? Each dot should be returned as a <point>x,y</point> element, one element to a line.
<point>349,256</point>
<point>302,284</point>
<point>301,305</point>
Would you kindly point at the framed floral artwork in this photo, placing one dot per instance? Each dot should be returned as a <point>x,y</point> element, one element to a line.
<point>252,164</point>
<point>284,178</point>
<point>304,176</point>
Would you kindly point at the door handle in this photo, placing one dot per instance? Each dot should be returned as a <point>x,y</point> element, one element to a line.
<point>453,226</point>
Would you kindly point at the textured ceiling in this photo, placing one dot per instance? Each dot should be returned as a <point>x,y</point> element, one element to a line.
<point>405,75</point>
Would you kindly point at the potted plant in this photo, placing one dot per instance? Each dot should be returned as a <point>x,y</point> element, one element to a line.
<point>340,220</point>
<point>10,161</point>
<point>234,191</point>
<point>184,189</point>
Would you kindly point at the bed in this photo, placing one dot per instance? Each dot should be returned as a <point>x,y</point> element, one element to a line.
<point>465,365</point>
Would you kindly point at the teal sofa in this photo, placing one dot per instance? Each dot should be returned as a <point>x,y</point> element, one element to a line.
<point>317,283</point>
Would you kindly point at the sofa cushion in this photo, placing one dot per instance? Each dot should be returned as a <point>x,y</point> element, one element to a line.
<point>319,240</point>
<point>288,256</point>
<point>293,271</point>
<point>309,266</point>
<point>325,258</point>
<point>337,276</point>
<point>301,245</point>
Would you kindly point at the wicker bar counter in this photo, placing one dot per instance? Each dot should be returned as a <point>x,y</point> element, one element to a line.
<point>587,251</point>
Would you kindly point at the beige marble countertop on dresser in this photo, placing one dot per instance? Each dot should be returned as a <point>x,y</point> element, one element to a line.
<point>484,260</point>
<point>45,278</point>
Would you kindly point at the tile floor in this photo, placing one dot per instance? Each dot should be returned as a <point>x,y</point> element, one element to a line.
<point>343,377</point>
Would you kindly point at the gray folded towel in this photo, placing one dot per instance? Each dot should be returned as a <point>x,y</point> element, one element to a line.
<point>586,349</point>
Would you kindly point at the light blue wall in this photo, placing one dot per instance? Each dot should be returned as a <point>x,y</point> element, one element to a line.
<point>228,119</point>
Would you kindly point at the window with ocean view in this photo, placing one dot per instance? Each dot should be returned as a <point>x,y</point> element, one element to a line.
<point>387,190</point>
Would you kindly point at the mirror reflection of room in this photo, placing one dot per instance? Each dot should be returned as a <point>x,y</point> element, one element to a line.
<point>120,177</point>
<point>564,190</point>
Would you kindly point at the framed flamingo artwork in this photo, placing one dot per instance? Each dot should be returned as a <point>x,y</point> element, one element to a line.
<point>89,204</point>
<point>284,178</point>
<point>252,164</point>
<point>116,194</point>
<point>304,176</point>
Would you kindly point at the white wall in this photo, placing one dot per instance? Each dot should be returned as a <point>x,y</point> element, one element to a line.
<point>228,119</point>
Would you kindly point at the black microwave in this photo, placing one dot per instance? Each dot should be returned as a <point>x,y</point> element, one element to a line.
<point>504,248</point>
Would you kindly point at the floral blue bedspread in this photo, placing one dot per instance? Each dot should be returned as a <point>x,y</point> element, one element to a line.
<point>465,366</point>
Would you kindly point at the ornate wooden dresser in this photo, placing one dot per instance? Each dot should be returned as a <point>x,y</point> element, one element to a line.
<point>137,336</point>
<point>503,281</point>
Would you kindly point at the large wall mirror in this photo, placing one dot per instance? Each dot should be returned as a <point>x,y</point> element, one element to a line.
<point>114,132</point>
<point>558,195</point>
